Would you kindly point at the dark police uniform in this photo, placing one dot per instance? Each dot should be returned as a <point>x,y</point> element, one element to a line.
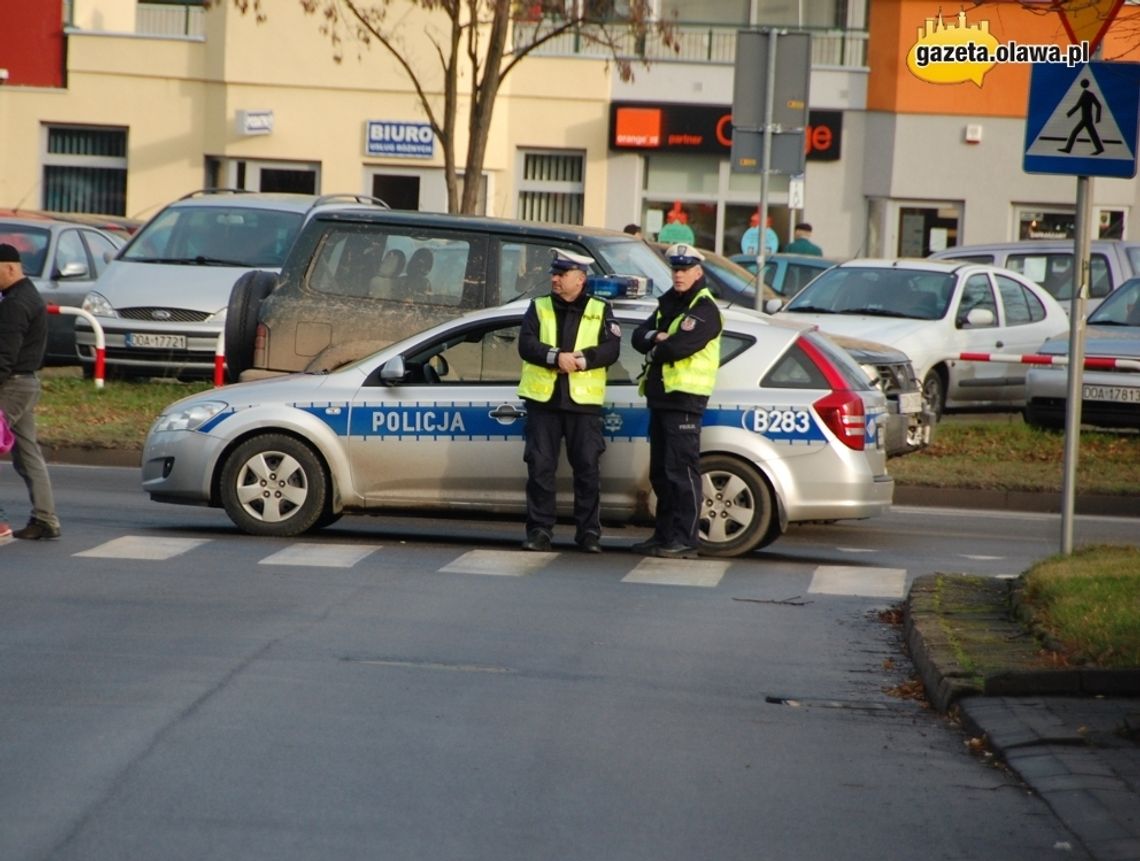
<point>677,397</point>
<point>585,320</point>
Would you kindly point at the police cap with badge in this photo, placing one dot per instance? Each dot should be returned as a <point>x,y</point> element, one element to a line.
<point>568,261</point>
<point>681,255</point>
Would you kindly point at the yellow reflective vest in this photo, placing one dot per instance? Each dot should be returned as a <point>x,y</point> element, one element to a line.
<point>586,387</point>
<point>695,374</point>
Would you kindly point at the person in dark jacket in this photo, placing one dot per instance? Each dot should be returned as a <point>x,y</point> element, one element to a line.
<point>23,340</point>
<point>681,343</point>
<point>566,342</point>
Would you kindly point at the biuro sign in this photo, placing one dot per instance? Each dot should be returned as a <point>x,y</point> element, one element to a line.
<point>642,127</point>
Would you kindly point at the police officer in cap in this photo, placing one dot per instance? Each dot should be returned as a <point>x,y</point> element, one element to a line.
<point>567,341</point>
<point>681,343</point>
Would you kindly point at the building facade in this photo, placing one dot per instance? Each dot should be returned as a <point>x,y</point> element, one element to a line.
<point>117,106</point>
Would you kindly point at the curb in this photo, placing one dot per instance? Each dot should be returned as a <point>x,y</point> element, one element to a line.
<point>965,642</point>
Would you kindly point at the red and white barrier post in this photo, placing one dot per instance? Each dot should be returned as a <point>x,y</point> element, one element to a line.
<point>220,359</point>
<point>1092,363</point>
<point>100,340</point>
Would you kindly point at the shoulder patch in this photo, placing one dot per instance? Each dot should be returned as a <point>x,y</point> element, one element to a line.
<point>688,324</point>
<point>615,329</point>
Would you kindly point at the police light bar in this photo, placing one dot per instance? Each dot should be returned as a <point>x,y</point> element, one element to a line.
<point>617,286</point>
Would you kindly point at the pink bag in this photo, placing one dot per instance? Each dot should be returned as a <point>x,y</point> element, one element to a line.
<point>7,440</point>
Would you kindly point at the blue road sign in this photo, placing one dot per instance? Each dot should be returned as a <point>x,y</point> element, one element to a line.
<point>1082,121</point>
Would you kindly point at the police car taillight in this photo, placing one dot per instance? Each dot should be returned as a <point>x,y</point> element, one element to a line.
<point>841,410</point>
<point>617,286</point>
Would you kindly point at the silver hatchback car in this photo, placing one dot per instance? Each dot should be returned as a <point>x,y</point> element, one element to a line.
<point>432,425</point>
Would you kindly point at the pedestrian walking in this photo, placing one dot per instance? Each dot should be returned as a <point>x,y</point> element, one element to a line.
<point>681,343</point>
<point>567,340</point>
<point>23,340</point>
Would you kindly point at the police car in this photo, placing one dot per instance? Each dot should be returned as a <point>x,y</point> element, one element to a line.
<point>432,424</point>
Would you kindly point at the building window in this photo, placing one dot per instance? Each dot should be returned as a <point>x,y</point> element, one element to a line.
<point>85,170</point>
<point>552,187</point>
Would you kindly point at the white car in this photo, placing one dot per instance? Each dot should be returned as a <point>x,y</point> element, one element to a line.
<point>433,425</point>
<point>934,311</point>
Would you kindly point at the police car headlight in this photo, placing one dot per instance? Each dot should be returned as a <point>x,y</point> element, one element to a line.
<point>188,418</point>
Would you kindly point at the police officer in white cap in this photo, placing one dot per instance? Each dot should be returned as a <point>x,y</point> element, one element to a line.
<point>567,341</point>
<point>681,343</point>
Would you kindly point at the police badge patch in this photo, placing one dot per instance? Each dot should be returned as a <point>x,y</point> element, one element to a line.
<point>688,324</point>
<point>615,329</point>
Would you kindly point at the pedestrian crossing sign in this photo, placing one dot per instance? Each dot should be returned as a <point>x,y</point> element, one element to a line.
<point>1082,121</point>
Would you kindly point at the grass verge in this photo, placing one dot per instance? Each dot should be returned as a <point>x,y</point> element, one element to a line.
<point>1089,603</point>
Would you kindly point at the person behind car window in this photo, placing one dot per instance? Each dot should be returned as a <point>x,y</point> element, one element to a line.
<point>681,343</point>
<point>414,281</point>
<point>567,340</point>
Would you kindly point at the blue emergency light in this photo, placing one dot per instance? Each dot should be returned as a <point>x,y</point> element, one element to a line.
<point>617,286</point>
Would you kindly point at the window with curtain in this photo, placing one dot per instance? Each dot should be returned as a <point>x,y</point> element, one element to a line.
<point>85,170</point>
<point>552,187</point>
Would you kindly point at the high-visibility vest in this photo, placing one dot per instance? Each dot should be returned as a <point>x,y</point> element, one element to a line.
<point>586,387</point>
<point>695,374</point>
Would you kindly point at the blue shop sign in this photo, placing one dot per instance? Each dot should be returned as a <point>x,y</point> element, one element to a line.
<point>400,139</point>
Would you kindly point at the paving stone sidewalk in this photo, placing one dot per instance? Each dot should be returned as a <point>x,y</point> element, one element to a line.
<point>1072,734</point>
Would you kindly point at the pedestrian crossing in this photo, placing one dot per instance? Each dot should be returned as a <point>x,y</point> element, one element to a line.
<point>834,580</point>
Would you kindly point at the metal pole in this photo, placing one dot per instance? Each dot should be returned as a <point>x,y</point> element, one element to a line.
<point>1081,251</point>
<point>762,227</point>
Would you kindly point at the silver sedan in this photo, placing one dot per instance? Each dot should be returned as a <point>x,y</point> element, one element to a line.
<point>432,425</point>
<point>1110,396</point>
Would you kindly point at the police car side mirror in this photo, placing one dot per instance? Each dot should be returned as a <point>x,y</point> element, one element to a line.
<point>773,305</point>
<point>393,371</point>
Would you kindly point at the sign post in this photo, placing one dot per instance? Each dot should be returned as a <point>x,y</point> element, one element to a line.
<point>1081,121</point>
<point>769,113</point>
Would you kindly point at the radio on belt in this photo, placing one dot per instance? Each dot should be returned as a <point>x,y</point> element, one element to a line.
<point>617,286</point>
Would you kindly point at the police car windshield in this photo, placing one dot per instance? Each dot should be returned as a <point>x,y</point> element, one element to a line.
<point>634,257</point>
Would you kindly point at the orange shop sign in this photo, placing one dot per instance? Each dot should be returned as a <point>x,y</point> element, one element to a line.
<point>675,128</point>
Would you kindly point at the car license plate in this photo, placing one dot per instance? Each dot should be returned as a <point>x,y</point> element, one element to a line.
<point>910,402</point>
<point>1118,394</point>
<point>156,342</point>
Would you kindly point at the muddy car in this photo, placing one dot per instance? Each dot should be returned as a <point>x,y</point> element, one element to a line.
<point>359,279</point>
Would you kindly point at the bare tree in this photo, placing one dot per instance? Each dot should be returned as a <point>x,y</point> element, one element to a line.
<point>475,40</point>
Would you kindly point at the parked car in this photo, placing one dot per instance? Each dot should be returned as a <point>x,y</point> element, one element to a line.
<point>433,425</point>
<point>910,424</point>
<point>786,274</point>
<point>1110,398</point>
<point>1049,262</point>
<point>162,301</point>
<point>933,311</point>
<point>63,259</point>
<point>358,279</point>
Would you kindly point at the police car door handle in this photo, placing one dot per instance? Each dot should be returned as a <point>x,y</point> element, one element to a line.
<point>508,411</point>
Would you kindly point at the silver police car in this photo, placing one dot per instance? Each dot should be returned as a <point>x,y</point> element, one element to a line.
<point>432,425</point>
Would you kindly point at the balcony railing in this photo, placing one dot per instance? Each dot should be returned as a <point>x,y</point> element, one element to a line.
<point>696,43</point>
<point>170,19</point>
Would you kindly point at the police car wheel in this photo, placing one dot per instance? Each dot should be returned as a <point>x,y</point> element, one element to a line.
<point>274,484</point>
<point>737,508</point>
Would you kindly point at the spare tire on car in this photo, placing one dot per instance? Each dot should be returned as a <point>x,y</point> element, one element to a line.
<point>241,319</point>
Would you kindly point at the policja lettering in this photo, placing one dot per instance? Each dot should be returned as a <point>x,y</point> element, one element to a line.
<point>418,422</point>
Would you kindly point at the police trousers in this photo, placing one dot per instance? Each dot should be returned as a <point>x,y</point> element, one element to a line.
<point>675,475</point>
<point>18,397</point>
<point>545,430</point>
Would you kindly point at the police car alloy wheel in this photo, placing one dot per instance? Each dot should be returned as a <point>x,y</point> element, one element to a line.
<point>737,507</point>
<point>273,484</point>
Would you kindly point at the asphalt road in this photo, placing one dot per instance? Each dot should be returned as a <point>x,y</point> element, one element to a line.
<point>421,689</point>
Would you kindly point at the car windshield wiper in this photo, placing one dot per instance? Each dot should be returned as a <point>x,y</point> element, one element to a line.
<point>873,312</point>
<point>200,260</point>
<point>811,309</point>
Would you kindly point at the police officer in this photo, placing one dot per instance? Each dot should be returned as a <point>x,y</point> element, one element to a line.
<point>681,343</point>
<point>567,341</point>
